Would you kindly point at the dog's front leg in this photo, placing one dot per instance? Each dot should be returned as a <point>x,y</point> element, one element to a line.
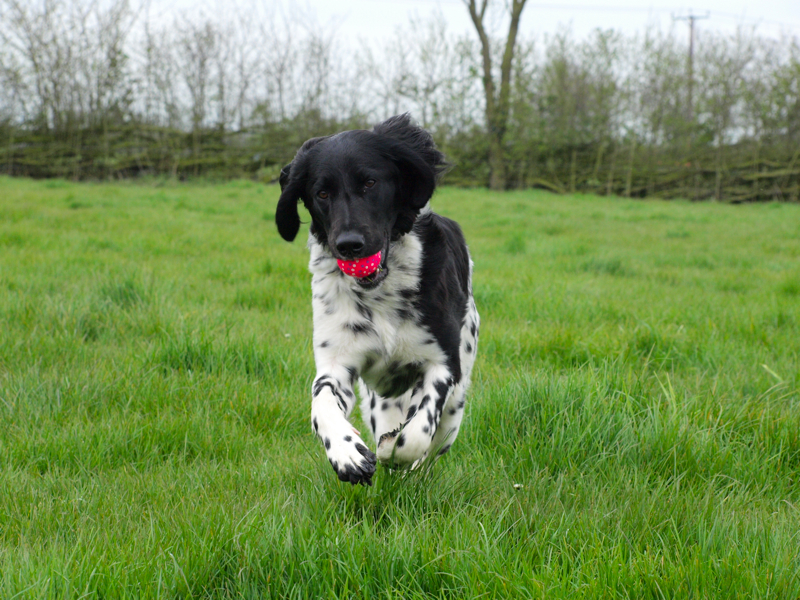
<point>332,401</point>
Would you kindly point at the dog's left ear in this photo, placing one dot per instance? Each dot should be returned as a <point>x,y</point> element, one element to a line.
<point>414,153</point>
<point>417,177</point>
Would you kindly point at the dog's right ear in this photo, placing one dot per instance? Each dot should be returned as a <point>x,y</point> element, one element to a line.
<point>293,183</point>
<point>284,178</point>
<point>286,217</point>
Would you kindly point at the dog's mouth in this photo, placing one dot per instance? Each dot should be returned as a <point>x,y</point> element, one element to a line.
<point>373,280</point>
<point>367,271</point>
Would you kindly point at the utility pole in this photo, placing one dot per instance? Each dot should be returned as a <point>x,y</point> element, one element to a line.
<point>691,18</point>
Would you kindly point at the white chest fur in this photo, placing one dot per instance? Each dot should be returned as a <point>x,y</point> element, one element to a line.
<point>378,332</point>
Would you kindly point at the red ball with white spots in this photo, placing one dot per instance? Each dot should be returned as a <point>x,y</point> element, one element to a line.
<point>363,267</point>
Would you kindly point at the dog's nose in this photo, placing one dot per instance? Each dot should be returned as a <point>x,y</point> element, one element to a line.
<point>350,244</point>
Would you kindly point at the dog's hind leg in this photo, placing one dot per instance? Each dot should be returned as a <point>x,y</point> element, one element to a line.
<point>380,414</point>
<point>411,442</point>
<point>450,422</point>
<point>453,411</point>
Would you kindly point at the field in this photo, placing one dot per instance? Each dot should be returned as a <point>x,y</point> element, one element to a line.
<point>633,429</point>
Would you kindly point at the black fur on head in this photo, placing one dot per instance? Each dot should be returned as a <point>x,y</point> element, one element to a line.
<point>367,183</point>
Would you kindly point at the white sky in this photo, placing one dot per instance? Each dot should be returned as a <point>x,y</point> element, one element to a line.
<point>354,19</point>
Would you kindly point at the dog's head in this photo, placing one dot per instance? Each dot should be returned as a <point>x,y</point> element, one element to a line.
<point>362,188</point>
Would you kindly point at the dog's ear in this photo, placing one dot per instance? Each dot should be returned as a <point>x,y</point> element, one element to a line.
<point>293,184</point>
<point>284,178</point>
<point>286,217</point>
<point>417,177</point>
<point>414,153</point>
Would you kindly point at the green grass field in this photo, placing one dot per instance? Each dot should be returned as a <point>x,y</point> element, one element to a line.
<point>633,429</point>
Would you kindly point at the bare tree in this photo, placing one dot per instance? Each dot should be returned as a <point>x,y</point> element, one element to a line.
<point>497,97</point>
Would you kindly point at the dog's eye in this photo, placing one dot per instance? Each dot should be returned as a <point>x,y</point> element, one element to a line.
<point>322,194</point>
<point>369,183</point>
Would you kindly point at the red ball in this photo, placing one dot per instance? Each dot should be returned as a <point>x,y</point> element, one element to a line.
<point>363,267</point>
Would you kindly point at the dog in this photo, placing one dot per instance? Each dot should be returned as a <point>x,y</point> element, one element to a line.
<point>407,333</point>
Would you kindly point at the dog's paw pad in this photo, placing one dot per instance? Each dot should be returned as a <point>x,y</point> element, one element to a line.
<point>387,438</point>
<point>387,445</point>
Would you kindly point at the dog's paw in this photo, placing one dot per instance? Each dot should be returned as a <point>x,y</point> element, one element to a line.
<point>399,448</point>
<point>351,460</point>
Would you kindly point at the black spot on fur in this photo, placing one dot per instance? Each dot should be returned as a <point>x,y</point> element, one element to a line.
<point>468,348</point>
<point>323,384</point>
<point>426,429</point>
<point>364,311</point>
<point>327,443</point>
<point>442,388</point>
<point>401,440</point>
<point>425,399</point>
<point>359,328</point>
<point>411,412</point>
<point>453,411</point>
<point>325,344</point>
<point>314,423</point>
<point>384,406</point>
<point>348,438</point>
<point>408,293</point>
<point>404,314</point>
<point>364,451</point>
<point>372,423</point>
<point>398,379</point>
<point>444,450</point>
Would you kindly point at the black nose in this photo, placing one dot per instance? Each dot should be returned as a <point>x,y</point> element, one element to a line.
<point>350,244</point>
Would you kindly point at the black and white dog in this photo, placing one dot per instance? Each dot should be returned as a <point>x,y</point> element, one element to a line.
<point>408,332</point>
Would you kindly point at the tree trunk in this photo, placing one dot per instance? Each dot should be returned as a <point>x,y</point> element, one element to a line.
<point>497,100</point>
<point>497,163</point>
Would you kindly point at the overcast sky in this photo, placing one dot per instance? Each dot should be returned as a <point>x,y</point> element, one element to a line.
<point>353,19</point>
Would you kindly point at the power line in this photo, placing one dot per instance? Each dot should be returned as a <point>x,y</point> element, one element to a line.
<point>794,25</point>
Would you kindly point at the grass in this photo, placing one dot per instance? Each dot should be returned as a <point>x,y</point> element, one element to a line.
<point>633,429</point>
